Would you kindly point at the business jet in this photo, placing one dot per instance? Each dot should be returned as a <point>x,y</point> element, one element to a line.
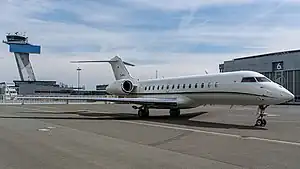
<point>229,88</point>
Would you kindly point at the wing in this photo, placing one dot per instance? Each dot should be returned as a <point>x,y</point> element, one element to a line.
<point>141,101</point>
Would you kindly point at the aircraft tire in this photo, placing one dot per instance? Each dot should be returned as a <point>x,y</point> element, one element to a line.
<point>260,122</point>
<point>174,112</point>
<point>264,122</point>
<point>143,112</point>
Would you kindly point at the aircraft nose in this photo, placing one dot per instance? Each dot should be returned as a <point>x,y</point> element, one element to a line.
<point>287,95</point>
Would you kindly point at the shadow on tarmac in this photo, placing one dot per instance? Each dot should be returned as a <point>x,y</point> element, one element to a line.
<point>183,119</point>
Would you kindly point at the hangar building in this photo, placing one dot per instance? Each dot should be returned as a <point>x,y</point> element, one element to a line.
<point>281,67</point>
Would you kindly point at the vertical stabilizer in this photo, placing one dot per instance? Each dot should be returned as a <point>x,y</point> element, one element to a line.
<point>119,68</point>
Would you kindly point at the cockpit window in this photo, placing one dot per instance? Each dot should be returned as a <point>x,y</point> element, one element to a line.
<point>248,79</point>
<point>262,79</point>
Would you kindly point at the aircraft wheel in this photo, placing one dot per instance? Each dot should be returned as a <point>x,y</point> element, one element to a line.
<point>146,112</point>
<point>143,112</point>
<point>260,122</point>
<point>174,112</point>
<point>140,112</point>
<point>264,122</point>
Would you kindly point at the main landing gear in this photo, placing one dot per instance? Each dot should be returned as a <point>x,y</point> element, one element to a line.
<point>174,112</point>
<point>143,111</point>
<point>260,119</point>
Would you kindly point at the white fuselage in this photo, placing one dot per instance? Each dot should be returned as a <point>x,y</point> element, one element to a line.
<point>221,89</point>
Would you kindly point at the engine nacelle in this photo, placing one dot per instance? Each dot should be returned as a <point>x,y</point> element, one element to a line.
<point>120,87</point>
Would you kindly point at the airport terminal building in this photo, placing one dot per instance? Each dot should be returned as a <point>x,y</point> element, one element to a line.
<point>281,67</point>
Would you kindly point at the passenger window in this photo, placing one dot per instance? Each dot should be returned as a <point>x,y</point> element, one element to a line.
<point>153,87</point>
<point>167,86</point>
<point>202,85</point>
<point>178,86</point>
<point>173,86</point>
<point>145,87</point>
<point>157,87</point>
<point>216,84</point>
<point>209,84</point>
<point>162,87</point>
<point>190,85</point>
<point>149,87</point>
<point>196,85</point>
<point>248,79</point>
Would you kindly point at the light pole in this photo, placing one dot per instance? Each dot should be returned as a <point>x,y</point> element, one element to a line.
<point>78,77</point>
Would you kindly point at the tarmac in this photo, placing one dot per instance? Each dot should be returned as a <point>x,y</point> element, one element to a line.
<point>111,136</point>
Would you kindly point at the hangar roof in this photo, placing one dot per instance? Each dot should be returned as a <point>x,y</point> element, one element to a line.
<point>269,54</point>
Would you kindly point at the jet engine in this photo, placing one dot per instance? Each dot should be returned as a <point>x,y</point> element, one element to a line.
<point>120,87</point>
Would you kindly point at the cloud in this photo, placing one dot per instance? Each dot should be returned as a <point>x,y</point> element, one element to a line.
<point>171,5</point>
<point>174,37</point>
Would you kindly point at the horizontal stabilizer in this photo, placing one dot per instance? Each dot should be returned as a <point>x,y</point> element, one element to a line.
<point>117,64</point>
<point>99,61</point>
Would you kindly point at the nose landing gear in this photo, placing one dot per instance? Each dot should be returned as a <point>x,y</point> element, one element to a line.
<point>260,119</point>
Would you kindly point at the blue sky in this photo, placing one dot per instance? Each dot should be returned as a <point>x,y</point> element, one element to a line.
<point>194,35</point>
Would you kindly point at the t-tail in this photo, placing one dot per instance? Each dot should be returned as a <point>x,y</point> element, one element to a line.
<point>118,67</point>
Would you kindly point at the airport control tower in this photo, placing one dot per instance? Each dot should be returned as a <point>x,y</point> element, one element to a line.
<point>18,44</point>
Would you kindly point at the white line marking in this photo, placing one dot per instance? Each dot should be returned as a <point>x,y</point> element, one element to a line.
<point>197,131</point>
<point>213,133</point>
<point>272,115</point>
<point>180,128</point>
<point>43,130</point>
<point>284,121</point>
<point>274,141</point>
<point>50,127</point>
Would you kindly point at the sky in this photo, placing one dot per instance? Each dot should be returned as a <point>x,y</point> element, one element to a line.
<point>174,37</point>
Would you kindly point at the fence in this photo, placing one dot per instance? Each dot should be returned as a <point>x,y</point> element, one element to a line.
<point>4,100</point>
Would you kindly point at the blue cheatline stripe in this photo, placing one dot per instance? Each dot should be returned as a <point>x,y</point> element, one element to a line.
<point>224,92</point>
